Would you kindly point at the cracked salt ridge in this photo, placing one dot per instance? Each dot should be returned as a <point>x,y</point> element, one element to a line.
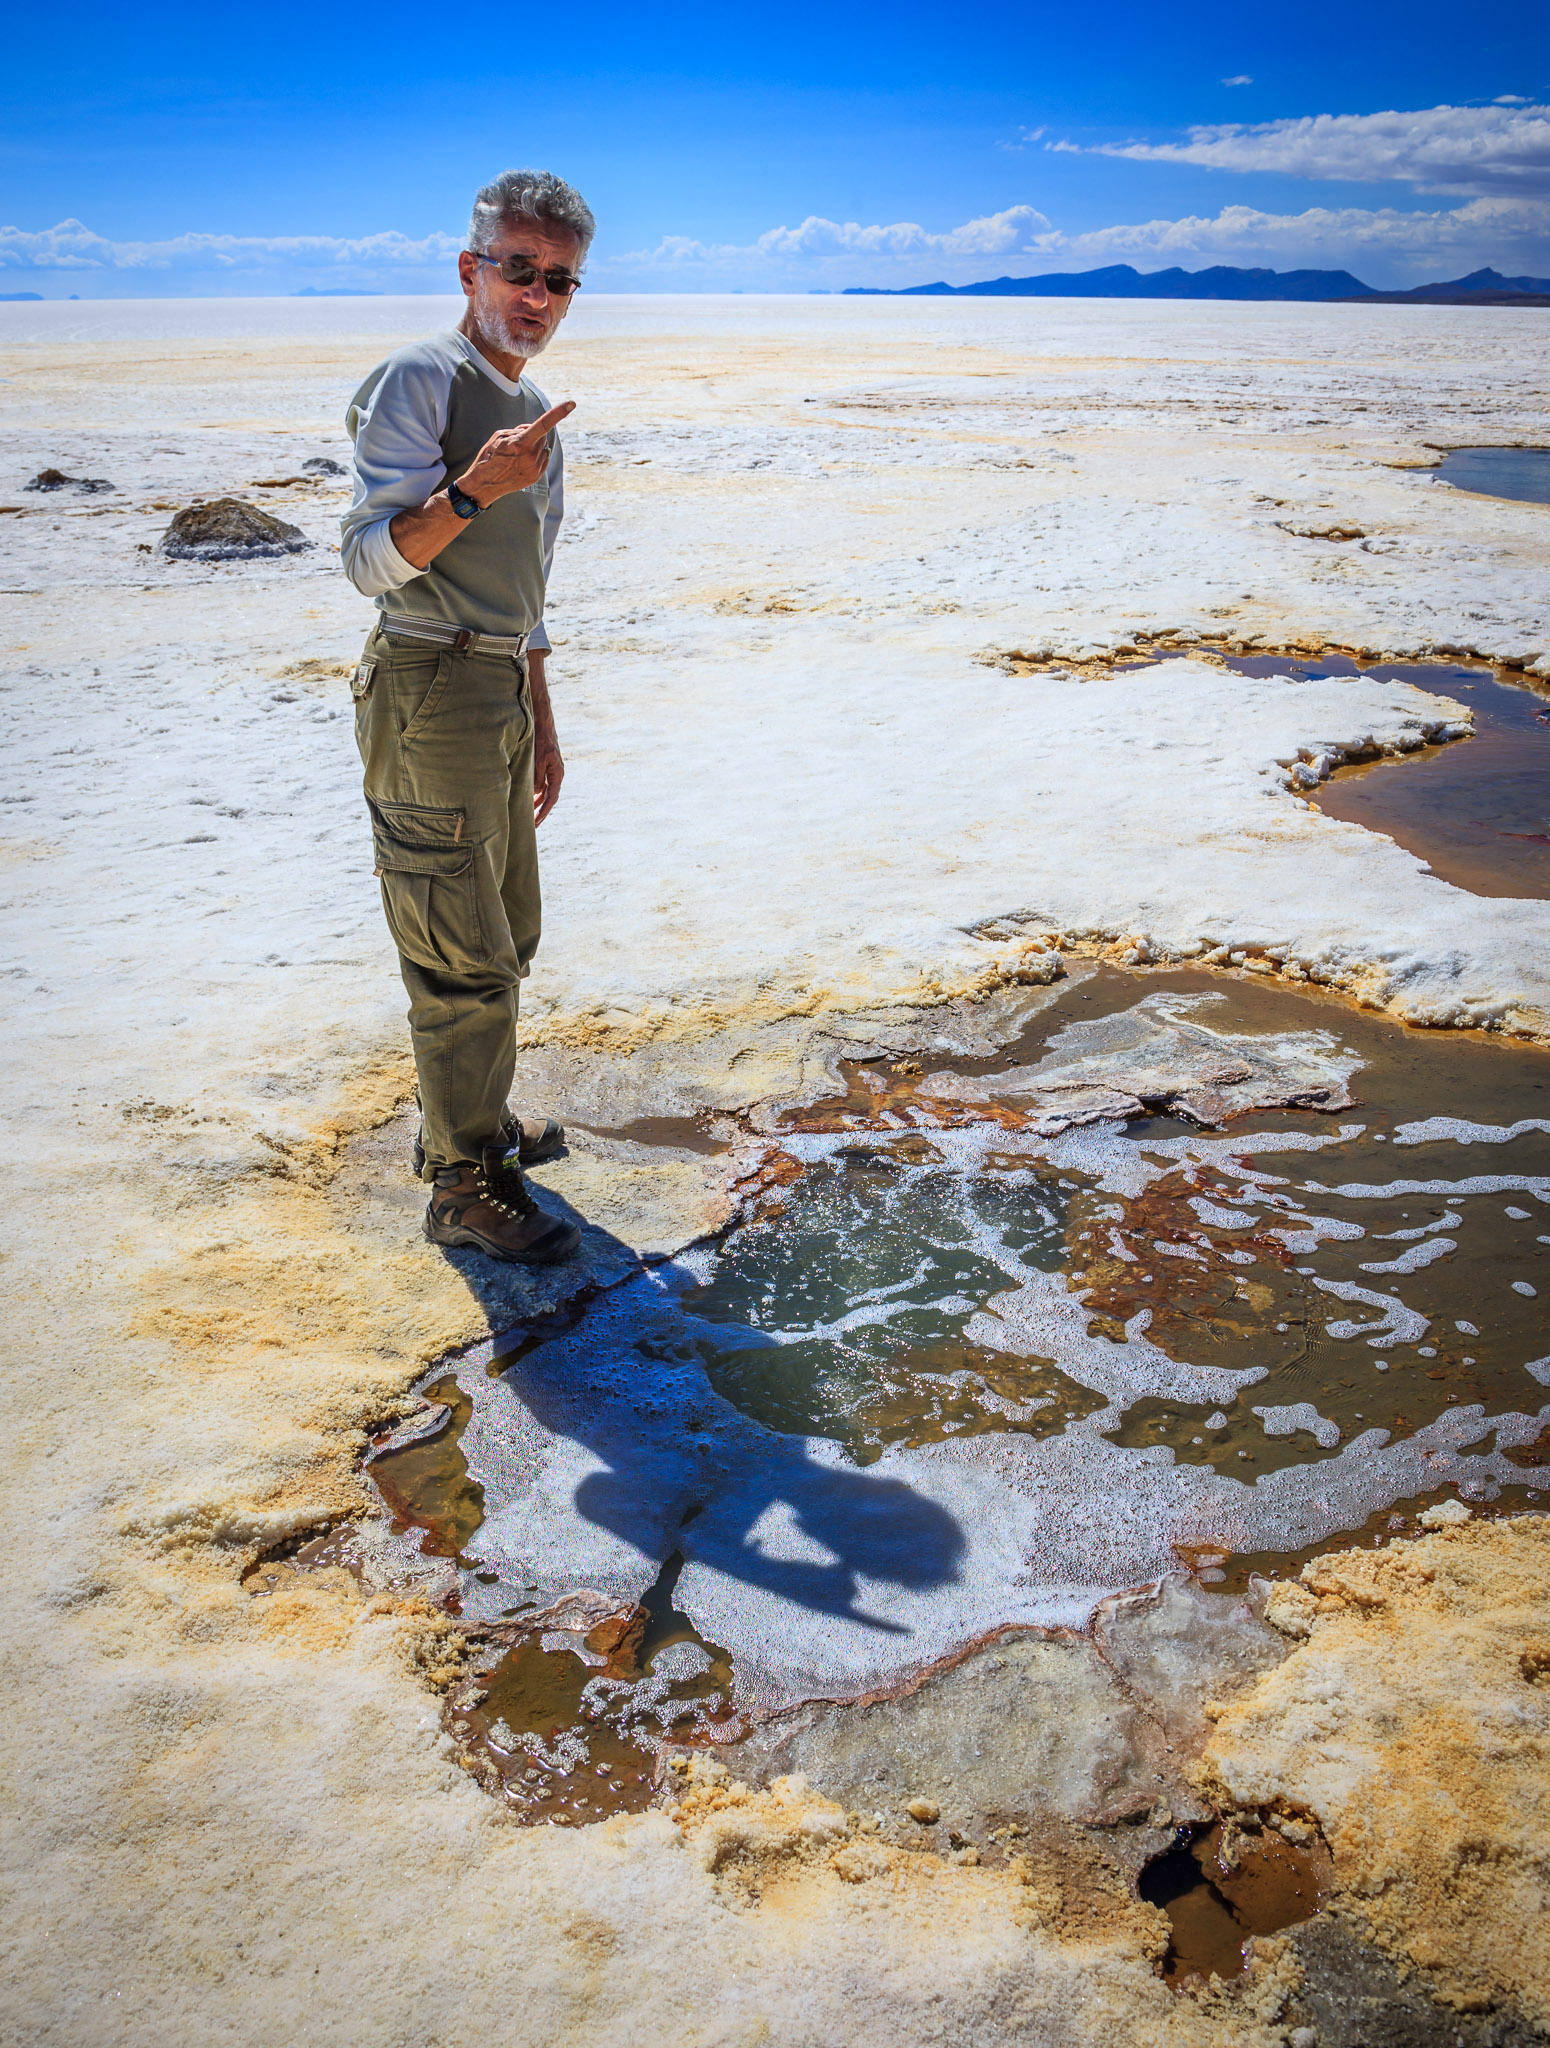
<point>609,1447</point>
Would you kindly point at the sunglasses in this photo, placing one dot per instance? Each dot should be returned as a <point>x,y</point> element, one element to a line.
<point>559,284</point>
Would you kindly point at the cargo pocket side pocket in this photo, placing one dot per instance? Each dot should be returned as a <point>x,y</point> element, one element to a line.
<point>430,889</point>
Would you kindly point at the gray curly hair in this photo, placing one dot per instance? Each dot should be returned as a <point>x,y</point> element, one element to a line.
<point>529,195</point>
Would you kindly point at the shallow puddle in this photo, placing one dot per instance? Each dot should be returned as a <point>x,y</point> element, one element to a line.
<point>987,1346</point>
<point>567,1727</point>
<point>678,1133</point>
<point>425,1484</point>
<point>1367,1286</point>
<point>1522,473</point>
<point>1217,1896</point>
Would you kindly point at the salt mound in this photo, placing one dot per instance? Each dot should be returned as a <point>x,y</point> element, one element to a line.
<point>228,530</point>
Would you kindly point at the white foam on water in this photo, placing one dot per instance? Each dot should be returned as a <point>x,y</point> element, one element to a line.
<point>1224,1219</point>
<point>1433,1129</point>
<point>1297,1415</point>
<point>1449,1220</point>
<point>1314,1231</point>
<point>1476,1184</point>
<point>1414,1258</point>
<point>1396,1324</point>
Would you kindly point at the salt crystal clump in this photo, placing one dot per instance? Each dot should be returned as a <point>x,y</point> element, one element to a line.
<point>1447,1514</point>
<point>1290,1608</point>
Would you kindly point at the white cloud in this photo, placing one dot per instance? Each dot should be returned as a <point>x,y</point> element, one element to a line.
<point>73,246</point>
<point>1382,244</point>
<point>1378,243</point>
<point>1241,79</point>
<point>1326,237</point>
<point>995,234</point>
<point>1479,150</point>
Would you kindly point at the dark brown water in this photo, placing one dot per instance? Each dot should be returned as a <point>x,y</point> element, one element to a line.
<point>1477,811</point>
<point>569,1735</point>
<point>426,1485</point>
<point>1270,1314</point>
<point>1217,1895</point>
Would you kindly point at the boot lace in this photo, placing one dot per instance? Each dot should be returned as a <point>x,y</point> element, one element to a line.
<point>504,1179</point>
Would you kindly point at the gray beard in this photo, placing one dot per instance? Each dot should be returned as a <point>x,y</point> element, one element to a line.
<point>497,329</point>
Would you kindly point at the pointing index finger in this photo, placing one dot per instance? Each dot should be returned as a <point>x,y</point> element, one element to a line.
<point>546,423</point>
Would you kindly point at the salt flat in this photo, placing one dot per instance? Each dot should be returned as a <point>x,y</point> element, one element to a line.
<point>800,790</point>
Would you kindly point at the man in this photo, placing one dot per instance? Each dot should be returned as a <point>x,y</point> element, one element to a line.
<point>458,498</point>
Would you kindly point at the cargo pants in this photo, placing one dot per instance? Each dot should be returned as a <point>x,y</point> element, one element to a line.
<point>447,742</point>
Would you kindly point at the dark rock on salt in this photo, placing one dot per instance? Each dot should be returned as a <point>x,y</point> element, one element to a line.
<point>323,465</point>
<point>229,530</point>
<point>56,480</point>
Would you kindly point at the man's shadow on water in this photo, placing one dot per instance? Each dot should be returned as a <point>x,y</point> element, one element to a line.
<point>684,1469</point>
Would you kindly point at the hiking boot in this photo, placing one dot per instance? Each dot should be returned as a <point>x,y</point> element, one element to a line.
<point>532,1142</point>
<point>488,1207</point>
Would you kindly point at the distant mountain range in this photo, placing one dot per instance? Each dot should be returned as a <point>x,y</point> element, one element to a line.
<point>1120,281</point>
<point>1481,287</point>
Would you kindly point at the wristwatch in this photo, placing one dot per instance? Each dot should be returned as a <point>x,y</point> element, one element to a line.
<point>464,506</point>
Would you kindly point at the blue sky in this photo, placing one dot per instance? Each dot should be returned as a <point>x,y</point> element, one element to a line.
<point>200,150</point>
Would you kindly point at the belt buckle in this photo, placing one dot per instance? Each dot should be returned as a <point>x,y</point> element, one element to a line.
<point>462,640</point>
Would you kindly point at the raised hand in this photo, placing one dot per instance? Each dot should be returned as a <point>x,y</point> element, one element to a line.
<point>511,460</point>
<point>514,458</point>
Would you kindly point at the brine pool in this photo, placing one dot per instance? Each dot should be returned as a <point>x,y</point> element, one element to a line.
<point>958,1370</point>
<point>1476,810</point>
<point>1522,473</point>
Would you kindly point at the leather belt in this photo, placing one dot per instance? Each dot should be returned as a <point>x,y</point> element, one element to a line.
<point>441,633</point>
